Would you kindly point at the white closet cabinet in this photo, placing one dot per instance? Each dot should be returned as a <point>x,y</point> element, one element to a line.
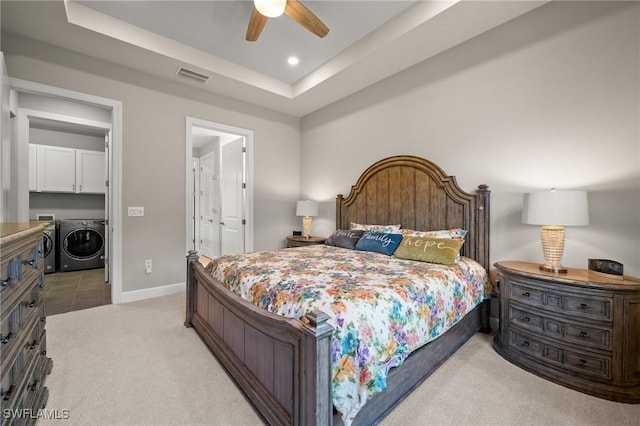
<point>59,169</point>
<point>90,175</point>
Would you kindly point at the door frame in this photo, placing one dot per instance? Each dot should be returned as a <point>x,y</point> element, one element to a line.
<point>192,122</point>
<point>114,189</point>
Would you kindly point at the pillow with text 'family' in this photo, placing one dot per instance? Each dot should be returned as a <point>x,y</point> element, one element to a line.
<point>380,242</point>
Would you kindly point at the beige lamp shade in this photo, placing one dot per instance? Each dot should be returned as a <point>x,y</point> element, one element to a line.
<point>554,210</point>
<point>306,209</point>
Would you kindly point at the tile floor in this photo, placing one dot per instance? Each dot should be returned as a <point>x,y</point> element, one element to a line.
<point>75,290</point>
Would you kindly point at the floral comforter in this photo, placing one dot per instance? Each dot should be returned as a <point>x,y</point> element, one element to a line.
<point>381,307</point>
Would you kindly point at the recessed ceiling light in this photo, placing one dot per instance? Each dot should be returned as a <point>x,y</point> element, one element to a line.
<point>293,60</point>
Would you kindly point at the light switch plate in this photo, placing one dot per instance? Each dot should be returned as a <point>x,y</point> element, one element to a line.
<point>136,211</point>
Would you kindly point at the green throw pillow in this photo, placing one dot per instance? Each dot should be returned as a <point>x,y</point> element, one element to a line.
<point>432,250</point>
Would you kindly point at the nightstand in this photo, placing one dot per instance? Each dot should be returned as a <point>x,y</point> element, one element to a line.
<point>577,329</point>
<point>296,241</point>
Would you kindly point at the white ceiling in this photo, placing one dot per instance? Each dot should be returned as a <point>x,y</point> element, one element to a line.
<point>368,41</point>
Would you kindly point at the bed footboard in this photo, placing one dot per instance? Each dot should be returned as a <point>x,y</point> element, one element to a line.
<point>283,365</point>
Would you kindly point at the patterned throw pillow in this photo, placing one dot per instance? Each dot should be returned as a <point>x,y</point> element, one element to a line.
<point>380,242</point>
<point>344,238</point>
<point>433,250</point>
<point>453,234</point>
<point>389,229</point>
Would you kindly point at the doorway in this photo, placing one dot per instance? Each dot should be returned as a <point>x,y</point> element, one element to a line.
<point>111,129</point>
<point>219,188</point>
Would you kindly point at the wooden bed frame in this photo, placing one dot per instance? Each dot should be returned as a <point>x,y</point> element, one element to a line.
<point>284,365</point>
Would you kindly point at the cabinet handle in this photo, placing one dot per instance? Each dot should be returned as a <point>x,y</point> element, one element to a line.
<point>73,187</point>
<point>32,386</point>
<point>5,339</point>
<point>525,343</point>
<point>584,334</point>
<point>5,282</point>
<point>526,319</point>
<point>583,362</point>
<point>80,188</point>
<point>584,307</point>
<point>7,394</point>
<point>526,294</point>
<point>33,263</point>
<point>31,304</point>
<point>31,345</point>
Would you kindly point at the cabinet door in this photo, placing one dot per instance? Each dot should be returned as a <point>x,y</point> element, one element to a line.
<point>56,169</point>
<point>33,164</point>
<point>90,173</point>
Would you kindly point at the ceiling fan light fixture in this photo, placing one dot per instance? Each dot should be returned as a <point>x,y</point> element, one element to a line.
<point>270,8</point>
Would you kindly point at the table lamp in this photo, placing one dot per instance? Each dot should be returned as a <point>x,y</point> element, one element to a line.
<point>554,210</point>
<point>306,209</point>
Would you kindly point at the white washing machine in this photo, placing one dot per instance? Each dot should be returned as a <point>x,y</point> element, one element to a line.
<point>81,243</point>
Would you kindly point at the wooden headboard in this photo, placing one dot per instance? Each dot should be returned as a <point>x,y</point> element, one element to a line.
<point>417,194</point>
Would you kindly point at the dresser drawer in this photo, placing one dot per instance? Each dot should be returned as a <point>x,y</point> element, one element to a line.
<point>572,333</point>
<point>19,271</point>
<point>587,364</point>
<point>17,324</point>
<point>561,301</point>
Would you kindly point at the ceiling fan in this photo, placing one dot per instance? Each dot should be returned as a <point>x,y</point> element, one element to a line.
<point>265,9</point>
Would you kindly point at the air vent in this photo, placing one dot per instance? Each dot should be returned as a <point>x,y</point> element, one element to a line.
<point>193,75</point>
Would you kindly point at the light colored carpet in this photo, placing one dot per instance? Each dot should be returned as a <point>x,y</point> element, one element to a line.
<point>136,364</point>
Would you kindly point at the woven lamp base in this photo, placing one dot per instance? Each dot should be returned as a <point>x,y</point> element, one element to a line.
<point>552,238</point>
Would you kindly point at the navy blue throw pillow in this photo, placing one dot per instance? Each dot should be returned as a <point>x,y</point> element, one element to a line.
<point>379,242</point>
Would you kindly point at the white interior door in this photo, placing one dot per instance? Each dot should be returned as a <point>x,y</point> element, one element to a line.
<point>107,197</point>
<point>232,174</point>
<point>209,217</point>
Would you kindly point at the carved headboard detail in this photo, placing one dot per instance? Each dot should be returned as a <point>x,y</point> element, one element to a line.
<point>417,194</point>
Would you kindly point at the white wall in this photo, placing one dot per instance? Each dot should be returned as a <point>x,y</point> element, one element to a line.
<point>153,169</point>
<point>550,99</point>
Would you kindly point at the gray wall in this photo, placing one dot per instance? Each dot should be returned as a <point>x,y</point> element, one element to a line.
<point>550,99</point>
<point>154,154</point>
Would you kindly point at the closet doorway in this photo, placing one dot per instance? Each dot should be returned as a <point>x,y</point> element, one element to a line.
<point>219,188</point>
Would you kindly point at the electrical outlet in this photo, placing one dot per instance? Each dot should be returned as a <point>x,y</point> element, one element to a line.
<point>136,211</point>
<point>148,266</point>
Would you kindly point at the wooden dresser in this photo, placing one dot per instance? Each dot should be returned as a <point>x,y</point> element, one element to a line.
<point>24,361</point>
<point>578,329</point>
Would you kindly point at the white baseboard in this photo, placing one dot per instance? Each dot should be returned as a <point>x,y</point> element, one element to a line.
<point>148,293</point>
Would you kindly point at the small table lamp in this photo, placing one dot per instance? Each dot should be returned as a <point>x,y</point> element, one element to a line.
<point>554,210</point>
<point>306,209</point>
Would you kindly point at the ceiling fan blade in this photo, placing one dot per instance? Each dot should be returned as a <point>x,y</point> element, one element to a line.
<point>303,16</point>
<point>256,24</point>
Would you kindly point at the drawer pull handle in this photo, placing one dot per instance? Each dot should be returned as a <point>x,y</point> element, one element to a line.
<point>584,334</point>
<point>33,386</point>
<point>31,304</point>
<point>526,294</point>
<point>583,362</point>
<point>7,394</point>
<point>32,263</point>
<point>4,283</point>
<point>5,339</point>
<point>584,307</point>
<point>43,353</point>
<point>525,343</point>
<point>526,319</point>
<point>43,319</point>
<point>32,345</point>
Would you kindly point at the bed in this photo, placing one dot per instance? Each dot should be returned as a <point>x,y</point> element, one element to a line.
<point>283,365</point>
